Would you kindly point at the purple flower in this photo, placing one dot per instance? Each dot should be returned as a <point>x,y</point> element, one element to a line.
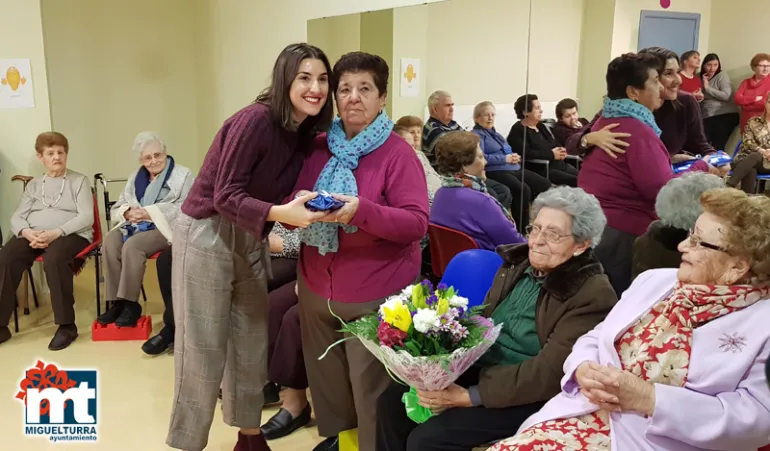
<point>432,299</point>
<point>442,286</point>
<point>426,283</point>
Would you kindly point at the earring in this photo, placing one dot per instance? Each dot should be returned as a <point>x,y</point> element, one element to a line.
<point>576,254</point>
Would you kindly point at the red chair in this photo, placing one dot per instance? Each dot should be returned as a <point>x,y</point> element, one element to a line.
<point>92,250</point>
<point>445,243</point>
<point>151,257</point>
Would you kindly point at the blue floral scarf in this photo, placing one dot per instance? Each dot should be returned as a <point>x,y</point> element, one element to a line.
<point>629,108</point>
<point>337,176</point>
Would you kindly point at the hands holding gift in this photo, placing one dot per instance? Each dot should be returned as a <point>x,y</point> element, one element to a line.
<point>615,390</point>
<point>297,214</point>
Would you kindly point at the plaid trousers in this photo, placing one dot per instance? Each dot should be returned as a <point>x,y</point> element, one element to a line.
<point>220,311</point>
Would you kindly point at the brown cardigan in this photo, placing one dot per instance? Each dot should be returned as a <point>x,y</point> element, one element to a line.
<point>576,296</point>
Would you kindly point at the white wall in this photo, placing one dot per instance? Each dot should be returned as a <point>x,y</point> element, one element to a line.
<point>410,40</point>
<point>21,36</point>
<point>595,54</point>
<point>628,13</point>
<point>115,70</point>
<point>738,32</point>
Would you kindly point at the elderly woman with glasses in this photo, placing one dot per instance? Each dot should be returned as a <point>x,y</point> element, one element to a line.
<point>357,256</point>
<point>547,294</point>
<point>145,214</point>
<point>679,362</point>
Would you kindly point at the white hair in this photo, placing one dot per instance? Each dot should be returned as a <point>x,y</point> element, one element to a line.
<point>435,97</point>
<point>678,202</point>
<point>478,109</point>
<point>588,220</point>
<point>144,139</point>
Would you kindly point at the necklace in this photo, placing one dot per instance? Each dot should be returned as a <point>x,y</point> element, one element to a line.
<point>58,198</point>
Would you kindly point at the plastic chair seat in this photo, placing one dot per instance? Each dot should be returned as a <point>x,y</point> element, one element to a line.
<point>445,243</point>
<point>472,273</point>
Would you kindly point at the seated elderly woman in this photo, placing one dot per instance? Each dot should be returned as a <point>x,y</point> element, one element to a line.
<point>547,294</point>
<point>679,362</point>
<point>568,121</point>
<point>754,155</point>
<point>531,139</point>
<point>628,184</point>
<point>678,208</point>
<point>503,164</point>
<point>463,202</point>
<point>145,213</point>
<point>54,219</point>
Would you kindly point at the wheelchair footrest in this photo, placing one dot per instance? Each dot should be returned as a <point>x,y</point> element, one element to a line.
<point>111,332</point>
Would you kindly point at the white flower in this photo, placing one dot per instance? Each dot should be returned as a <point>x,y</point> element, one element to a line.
<point>392,302</point>
<point>425,320</point>
<point>459,301</point>
<point>406,293</point>
<point>670,368</point>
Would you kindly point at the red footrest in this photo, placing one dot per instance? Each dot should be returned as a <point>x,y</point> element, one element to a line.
<point>111,332</point>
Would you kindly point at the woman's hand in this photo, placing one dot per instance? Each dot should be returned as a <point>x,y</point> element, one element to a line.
<point>45,238</point>
<point>30,235</point>
<point>633,393</point>
<point>513,158</point>
<point>721,171</point>
<point>598,388</point>
<point>295,213</point>
<point>607,140</point>
<point>276,243</point>
<point>345,214</point>
<point>698,95</point>
<point>559,153</point>
<point>681,157</point>
<point>706,82</point>
<point>139,215</point>
<point>450,397</point>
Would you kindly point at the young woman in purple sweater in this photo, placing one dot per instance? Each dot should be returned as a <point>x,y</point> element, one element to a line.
<point>628,184</point>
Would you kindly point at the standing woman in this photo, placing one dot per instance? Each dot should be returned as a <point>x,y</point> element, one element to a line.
<point>720,115</point>
<point>364,252</point>
<point>221,254</point>
<point>750,95</point>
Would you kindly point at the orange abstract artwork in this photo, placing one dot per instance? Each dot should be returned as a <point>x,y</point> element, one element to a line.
<point>13,78</point>
<point>410,74</point>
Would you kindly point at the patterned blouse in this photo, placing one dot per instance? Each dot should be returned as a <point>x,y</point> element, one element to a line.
<point>290,241</point>
<point>756,136</point>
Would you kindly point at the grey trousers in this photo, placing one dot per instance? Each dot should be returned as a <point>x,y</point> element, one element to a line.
<point>219,286</point>
<point>125,262</point>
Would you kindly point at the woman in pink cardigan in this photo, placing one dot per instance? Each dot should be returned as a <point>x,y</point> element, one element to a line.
<point>751,93</point>
<point>364,252</point>
<point>679,363</point>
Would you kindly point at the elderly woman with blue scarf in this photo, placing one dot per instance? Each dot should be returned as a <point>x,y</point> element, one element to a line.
<point>145,214</point>
<point>360,254</point>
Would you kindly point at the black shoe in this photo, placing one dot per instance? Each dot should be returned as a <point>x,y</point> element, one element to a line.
<point>158,344</point>
<point>283,424</point>
<point>131,313</point>
<point>272,394</point>
<point>330,444</point>
<point>5,334</point>
<point>112,313</point>
<point>65,335</point>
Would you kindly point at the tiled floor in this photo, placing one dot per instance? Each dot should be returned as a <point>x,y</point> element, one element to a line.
<point>134,392</point>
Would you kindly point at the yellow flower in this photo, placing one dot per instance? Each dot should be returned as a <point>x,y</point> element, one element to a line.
<point>398,316</point>
<point>418,296</point>
<point>443,307</point>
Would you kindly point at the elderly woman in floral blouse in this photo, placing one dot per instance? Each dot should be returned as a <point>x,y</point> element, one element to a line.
<point>754,155</point>
<point>679,362</point>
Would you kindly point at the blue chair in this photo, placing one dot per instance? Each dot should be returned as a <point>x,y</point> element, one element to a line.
<point>471,273</point>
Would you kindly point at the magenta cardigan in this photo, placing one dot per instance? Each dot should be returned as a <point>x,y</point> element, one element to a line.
<point>384,255</point>
<point>628,185</point>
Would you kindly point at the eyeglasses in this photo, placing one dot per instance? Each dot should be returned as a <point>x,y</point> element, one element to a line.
<point>156,156</point>
<point>695,241</point>
<point>550,235</point>
<point>763,66</point>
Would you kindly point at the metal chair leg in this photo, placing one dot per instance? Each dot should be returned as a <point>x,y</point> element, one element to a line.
<point>16,316</point>
<point>144,295</point>
<point>34,290</point>
<point>97,276</point>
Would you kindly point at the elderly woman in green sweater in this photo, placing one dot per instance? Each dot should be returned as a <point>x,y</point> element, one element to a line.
<point>547,294</point>
<point>54,219</point>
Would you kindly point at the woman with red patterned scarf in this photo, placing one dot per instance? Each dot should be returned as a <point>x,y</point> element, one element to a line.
<point>679,362</point>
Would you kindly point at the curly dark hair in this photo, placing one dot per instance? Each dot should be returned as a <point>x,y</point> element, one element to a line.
<point>362,62</point>
<point>455,150</point>
<point>564,105</point>
<point>523,105</point>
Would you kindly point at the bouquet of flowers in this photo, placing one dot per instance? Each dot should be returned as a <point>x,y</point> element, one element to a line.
<point>427,338</point>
